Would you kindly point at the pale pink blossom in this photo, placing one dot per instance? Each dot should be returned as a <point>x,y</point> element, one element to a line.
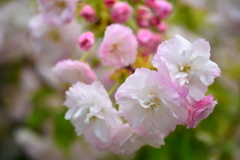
<point>119,46</point>
<point>188,64</point>
<point>70,71</point>
<point>121,12</point>
<point>53,42</point>
<point>109,3</point>
<point>88,13</point>
<point>148,100</point>
<point>57,12</point>
<point>86,41</point>
<point>90,111</point>
<point>163,8</point>
<point>148,39</point>
<point>200,110</point>
<point>127,141</point>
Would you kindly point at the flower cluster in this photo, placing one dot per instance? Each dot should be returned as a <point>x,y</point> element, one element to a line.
<point>152,102</point>
<point>157,91</point>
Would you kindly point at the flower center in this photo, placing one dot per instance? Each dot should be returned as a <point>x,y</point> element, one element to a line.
<point>54,36</point>
<point>186,68</point>
<point>61,5</point>
<point>151,102</point>
<point>114,48</point>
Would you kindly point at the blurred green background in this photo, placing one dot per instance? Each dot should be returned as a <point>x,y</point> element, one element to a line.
<point>32,124</point>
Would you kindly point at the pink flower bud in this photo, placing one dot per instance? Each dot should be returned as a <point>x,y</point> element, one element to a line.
<point>143,22</point>
<point>109,3</point>
<point>148,40</point>
<point>163,8</point>
<point>155,21</point>
<point>143,15</point>
<point>150,3</point>
<point>121,12</point>
<point>162,27</point>
<point>88,13</point>
<point>86,41</point>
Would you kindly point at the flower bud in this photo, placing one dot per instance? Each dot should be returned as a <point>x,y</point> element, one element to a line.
<point>148,40</point>
<point>109,3</point>
<point>150,3</point>
<point>121,12</point>
<point>163,8</point>
<point>143,15</point>
<point>88,13</point>
<point>86,41</point>
<point>155,21</point>
<point>162,27</point>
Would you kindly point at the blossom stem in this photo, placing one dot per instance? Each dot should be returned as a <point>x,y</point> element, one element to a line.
<point>111,90</point>
<point>84,56</point>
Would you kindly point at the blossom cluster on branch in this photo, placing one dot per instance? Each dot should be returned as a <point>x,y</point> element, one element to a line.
<point>160,85</point>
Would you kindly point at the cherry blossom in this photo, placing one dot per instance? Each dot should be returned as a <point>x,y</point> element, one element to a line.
<point>121,12</point>
<point>57,12</point>
<point>70,71</point>
<point>90,110</point>
<point>127,141</point>
<point>119,46</point>
<point>188,64</point>
<point>148,100</point>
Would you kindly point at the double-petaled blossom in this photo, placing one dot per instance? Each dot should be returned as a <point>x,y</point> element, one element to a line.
<point>90,111</point>
<point>200,110</point>
<point>147,100</point>
<point>57,12</point>
<point>163,8</point>
<point>70,71</point>
<point>88,13</point>
<point>121,12</point>
<point>86,41</point>
<point>126,141</point>
<point>119,46</point>
<point>57,41</point>
<point>188,64</point>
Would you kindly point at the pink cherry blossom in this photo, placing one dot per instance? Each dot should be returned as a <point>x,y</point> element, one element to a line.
<point>69,71</point>
<point>86,41</point>
<point>163,8</point>
<point>109,3</point>
<point>150,101</point>
<point>200,110</point>
<point>57,12</point>
<point>90,111</point>
<point>188,64</point>
<point>127,141</point>
<point>88,13</point>
<point>119,46</point>
<point>148,39</point>
<point>121,12</point>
